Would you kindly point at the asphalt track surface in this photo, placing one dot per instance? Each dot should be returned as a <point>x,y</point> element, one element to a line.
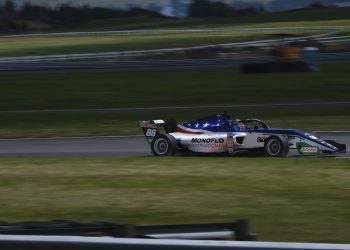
<point>79,146</point>
<point>105,146</point>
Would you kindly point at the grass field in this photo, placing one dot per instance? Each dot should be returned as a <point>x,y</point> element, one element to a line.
<point>113,42</point>
<point>126,123</point>
<point>324,16</point>
<point>110,42</point>
<point>58,90</point>
<point>286,199</point>
<point>107,43</point>
<point>25,46</point>
<point>166,88</point>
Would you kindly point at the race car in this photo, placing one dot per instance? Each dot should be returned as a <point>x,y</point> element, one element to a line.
<point>221,134</point>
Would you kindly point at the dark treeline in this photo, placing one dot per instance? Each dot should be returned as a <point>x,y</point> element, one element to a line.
<point>63,16</point>
<point>66,15</point>
<point>14,19</point>
<point>207,8</point>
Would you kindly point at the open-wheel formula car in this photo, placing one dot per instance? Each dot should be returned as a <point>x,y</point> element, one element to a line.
<point>221,134</point>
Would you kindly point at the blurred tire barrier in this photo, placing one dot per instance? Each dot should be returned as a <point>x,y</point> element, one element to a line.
<point>71,235</point>
<point>237,230</point>
<point>275,67</point>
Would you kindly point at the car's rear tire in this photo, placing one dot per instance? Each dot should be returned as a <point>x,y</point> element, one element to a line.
<point>164,145</point>
<point>276,146</point>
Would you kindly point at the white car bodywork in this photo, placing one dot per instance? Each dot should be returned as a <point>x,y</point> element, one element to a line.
<point>241,137</point>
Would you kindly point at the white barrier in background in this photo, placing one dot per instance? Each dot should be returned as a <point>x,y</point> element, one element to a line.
<point>174,31</point>
<point>14,242</point>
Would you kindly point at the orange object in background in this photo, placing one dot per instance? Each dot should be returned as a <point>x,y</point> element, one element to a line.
<point>290,53</point>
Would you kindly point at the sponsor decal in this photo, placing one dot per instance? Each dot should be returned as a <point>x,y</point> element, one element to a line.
<point>306,149</point>
<point>261,139</point>
<point>209,146</point>
<point>208,140</point>
<point>309,149</point>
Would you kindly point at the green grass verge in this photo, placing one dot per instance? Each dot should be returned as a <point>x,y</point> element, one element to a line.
<point>147,22</point>
<point>106,43</point>
<point>126,123</point>
<point>113,42</point>
<point>58,90</point>
<point>109,42</point>
<point>286,199</point>
<point>167,88</point>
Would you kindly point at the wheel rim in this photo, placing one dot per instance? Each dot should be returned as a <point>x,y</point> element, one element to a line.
<point>161,146</point>
<point>273,147</point>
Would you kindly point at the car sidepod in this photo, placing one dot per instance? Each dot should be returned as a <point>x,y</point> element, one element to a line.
<point>211,142</point>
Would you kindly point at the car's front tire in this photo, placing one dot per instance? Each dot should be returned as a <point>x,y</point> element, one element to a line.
<point>276,146</point>
<point>164,145</point>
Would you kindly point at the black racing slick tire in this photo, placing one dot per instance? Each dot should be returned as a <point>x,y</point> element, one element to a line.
<point>164,145</point>
<point>276,146</point>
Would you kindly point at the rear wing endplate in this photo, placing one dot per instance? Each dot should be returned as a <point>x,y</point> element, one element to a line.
<point>150,128</point>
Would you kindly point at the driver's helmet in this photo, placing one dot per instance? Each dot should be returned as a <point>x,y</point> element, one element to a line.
<point>240,124</point>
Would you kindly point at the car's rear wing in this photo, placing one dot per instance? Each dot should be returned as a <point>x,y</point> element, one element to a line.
<point>152,128</point>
